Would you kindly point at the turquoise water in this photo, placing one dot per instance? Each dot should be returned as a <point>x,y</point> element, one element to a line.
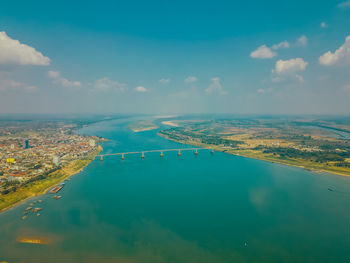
<point>205,208</point>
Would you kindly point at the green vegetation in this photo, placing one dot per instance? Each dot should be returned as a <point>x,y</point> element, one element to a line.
<point>321,145</point>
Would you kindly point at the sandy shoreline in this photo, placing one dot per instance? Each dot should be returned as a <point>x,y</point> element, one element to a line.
<point>170,123</point>
<point>144,129</point>
<point>64,177</point>
<point>315,170</point>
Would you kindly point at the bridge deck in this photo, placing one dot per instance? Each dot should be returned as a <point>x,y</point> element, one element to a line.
<point>152,151</point>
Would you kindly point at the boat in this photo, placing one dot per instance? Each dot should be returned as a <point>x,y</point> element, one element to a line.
<point>28,208</point>
<point>56,189</point>
<point>57,197</point>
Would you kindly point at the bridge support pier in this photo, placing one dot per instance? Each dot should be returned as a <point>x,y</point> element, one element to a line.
<point>196,152</point>
<point>161,154</point>
<point>123,157</point>
<point>143,155</point>
<point>212,151</point>
<point>101,159</point>
<point>179,153</point>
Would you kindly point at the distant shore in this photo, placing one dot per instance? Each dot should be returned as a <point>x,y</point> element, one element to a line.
<point>41,187</point>
<point>257,156</point>
<point>170,123</point>
<point>144,129</point>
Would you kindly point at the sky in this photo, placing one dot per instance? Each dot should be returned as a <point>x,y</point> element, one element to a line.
<point>175,57</point>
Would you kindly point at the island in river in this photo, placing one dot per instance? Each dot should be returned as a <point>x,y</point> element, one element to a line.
<point>322,145</point>
<point>144,125</point>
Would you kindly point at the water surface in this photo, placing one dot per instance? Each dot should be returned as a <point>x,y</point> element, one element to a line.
<point>205,208</point>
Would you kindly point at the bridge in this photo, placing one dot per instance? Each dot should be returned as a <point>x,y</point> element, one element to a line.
<point>142,153</point>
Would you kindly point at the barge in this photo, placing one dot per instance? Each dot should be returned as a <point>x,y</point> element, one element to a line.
<point>56,189</point>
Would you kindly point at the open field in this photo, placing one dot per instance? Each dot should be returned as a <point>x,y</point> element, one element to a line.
<point>299,143</point>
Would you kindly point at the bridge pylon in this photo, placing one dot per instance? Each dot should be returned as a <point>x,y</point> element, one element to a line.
<point>179,153</point>
<point>196,152</point>
<point>142,155</point>
<point>123,157</point>
<point>161,154</point>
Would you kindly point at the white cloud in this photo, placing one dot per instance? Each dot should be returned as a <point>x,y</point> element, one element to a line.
<point>323,25</point>
<point>284,44</point>
<point>190,79</point>
<point>340,57</point>
<point>344,4</point>
<point>105,84</point>
<point>266,52</point>
<point>302,41</point>
<point>58,80</point>
<point>215,86</point>
<point>14,52</point>
<point>260,91</point>
<point>164,81</point>
<point>140,89</point>
<point>276,78</point>
<point>263,52</point>
<point>8,84</point>
<point>290,66</point>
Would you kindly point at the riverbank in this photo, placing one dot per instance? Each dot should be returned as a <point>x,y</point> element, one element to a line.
<point>170,123</point>
<point>140,126</point>
<point>40,187</point>
<point>318,168</point>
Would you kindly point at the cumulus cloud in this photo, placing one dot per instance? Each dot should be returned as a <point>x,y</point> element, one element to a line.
<point>260,91</point>
<point>105,84</point>
<point>344,4</point>
<point>266,52</point>
<point>340,57</point>
<point>140,89</point>
<point>290,66</point>
<point>263,52</point>
<point>302,41</point>
<point>284,44</point>
<point>190,79</point>
<point>164,81</point>
<point>14,52</point>
<point>58,80</point>
<point>215,87</point>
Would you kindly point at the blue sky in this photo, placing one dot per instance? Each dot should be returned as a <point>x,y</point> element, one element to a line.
<point>163,57</point>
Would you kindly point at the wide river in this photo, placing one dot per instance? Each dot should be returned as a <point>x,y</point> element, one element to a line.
<point>205,208</point>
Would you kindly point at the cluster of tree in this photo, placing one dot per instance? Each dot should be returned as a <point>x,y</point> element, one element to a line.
<point>316,156</point>
<point>183,134</point>
<point>12,186</point>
